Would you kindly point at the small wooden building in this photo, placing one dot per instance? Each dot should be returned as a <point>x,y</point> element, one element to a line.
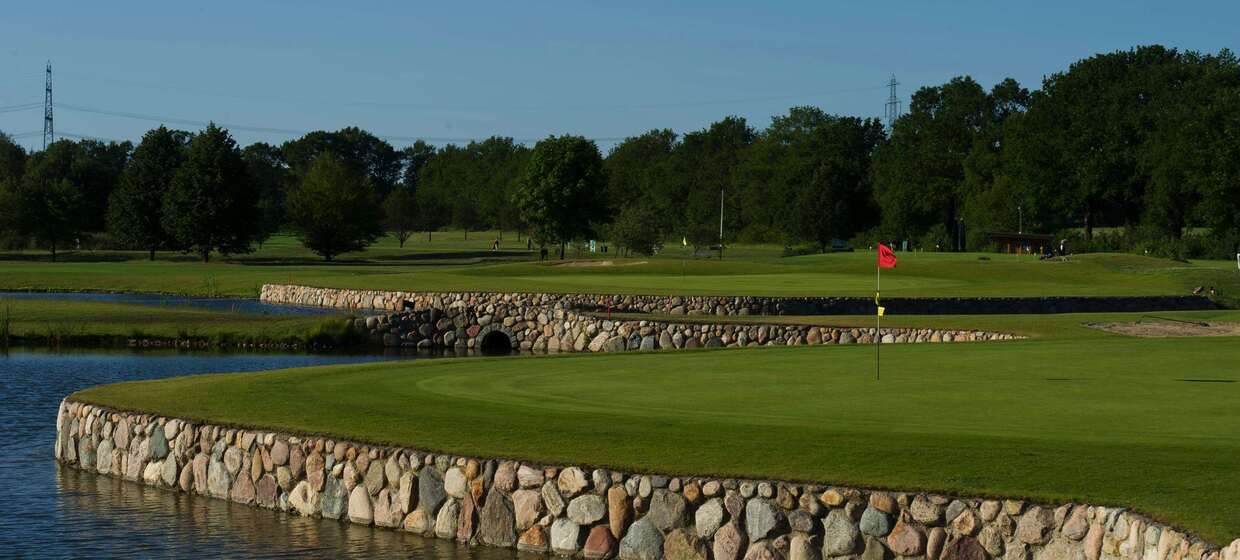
<point>1023,243</point>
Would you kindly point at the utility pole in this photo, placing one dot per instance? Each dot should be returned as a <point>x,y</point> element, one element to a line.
<point>720,223</point>
<point>892,111</point>
<point>49,134</point>
<point>1020,209</point>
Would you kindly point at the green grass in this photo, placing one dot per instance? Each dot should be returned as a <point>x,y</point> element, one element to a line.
<point>1054,326</point>
<point>1104,418</point>
<point>88,322</point>
<point>452,264</point>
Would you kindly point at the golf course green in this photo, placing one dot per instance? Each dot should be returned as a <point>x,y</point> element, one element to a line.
<point>1145,423</point>
<point>1071,413</point>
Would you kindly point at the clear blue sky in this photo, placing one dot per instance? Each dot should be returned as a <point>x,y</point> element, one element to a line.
<point>460,70</point>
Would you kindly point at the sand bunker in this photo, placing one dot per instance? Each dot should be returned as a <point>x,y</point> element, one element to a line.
<point>1156,328</point>
<point>574,264</point>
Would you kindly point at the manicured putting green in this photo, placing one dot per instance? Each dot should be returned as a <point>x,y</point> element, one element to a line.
<point>1146,423</point>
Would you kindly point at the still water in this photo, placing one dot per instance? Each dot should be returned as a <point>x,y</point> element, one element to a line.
<point>236,305</point>
<point>50,512</point>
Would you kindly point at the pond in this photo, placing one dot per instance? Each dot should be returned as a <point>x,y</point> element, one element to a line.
<point>235,305</point>
<point>53,512</point>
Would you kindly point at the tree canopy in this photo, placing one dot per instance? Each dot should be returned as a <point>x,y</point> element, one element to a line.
<point>562,193</point>
<point>211,204</point>
<point>1138,144</point>
<point>135,208</point>
<point>332,209</point>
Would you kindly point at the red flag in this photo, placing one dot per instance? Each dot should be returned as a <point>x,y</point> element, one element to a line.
<point>886,258</point>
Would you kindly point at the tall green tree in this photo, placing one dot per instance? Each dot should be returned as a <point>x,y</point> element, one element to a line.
<point>91,167</point>
<point>135,208</point>
<point>1078,146</point>
<point>563,191</point>
<point>415,157</point>
<point>271,177</point>
<point>638,171</point>
<point>993,200</point>
<point>333,209</point>
<point>212,205</point>
<point>919,173</point>
<point>45,203</point>
<point>42,207</point>
<point>359,150</point>
<point>702,171</point>
<point>96,171</point>
<point>806,178</point>
<point>1181,156</point>
<point>12,159</point>
<point>833,197</point>
<point>400,212</point>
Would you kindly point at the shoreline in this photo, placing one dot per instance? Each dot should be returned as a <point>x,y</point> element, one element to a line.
<point>581,511</point>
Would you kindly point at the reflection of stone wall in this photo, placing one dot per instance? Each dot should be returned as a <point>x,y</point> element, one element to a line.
<point>594,513</point>
<point>727,305</point>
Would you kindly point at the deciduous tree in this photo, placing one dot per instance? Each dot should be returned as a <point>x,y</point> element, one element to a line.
<point>135,208</point>
<point>212,205</point>
<point>333,209</point>
<point>563,190</point>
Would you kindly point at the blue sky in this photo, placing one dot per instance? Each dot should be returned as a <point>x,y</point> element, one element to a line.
<point>455,71</point>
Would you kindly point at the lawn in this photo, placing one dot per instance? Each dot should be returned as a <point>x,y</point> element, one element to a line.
<point>76,322</point>
<point>1054,326</point>
<point>1146,423</point>
<point>451,263</point>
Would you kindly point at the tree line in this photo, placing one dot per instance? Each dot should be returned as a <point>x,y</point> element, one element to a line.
<point>1130,150</point>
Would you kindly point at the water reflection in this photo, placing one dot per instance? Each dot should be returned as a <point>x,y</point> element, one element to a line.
<point>104,516</point>
<point>50,512</point>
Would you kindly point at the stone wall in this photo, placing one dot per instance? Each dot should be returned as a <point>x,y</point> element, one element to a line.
<point>596,513</point>
<point>728,305</point>
<point>557,330</point>
<point>573,323</point>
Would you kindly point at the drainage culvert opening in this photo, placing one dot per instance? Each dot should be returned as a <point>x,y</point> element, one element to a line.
<point>495,343</point>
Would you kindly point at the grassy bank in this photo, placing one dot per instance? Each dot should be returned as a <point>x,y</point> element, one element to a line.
<point>86,323</point>
<point>1053,326</point>
<point>758,270</point>
<point>1145,423</point>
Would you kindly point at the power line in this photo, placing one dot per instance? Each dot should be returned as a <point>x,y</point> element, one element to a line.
<point>76,136</point>
<point>48,106</point>
<point>20,106</point>
<point>287,131</point>
<point>432,107</point>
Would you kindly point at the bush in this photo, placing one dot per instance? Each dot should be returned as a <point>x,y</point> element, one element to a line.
<point>937,239</point>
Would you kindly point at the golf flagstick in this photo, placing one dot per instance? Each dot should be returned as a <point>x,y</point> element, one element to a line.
<point>885,259</point>
<point>878,321</point>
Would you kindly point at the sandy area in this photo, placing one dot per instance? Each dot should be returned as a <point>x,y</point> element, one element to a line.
<point>1155,328</point>
<point>575,264</point>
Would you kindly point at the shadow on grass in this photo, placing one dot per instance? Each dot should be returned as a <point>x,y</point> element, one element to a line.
<point>447,258</point>
<point>92,257</point>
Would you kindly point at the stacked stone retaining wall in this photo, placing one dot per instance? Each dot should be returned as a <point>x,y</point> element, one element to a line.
<point>588,512</point>
<point>541,330</point>
<point>574,323</point>
<point>727,305</point>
